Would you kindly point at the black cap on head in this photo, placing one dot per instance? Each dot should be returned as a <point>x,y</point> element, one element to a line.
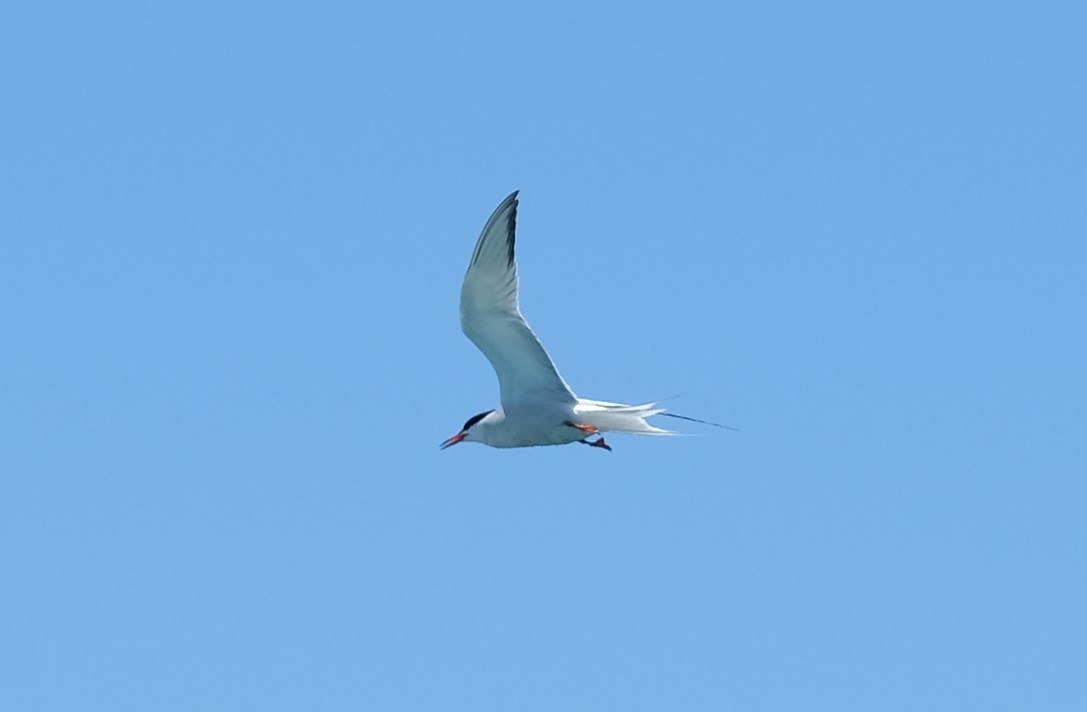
<point>475,419</point>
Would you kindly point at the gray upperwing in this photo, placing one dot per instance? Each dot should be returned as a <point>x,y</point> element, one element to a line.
<point>491,318</point>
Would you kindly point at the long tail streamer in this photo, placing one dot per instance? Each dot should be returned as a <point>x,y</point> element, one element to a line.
<point>696,420</point>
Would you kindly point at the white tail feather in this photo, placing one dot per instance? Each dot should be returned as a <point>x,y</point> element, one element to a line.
<point>618,417</point>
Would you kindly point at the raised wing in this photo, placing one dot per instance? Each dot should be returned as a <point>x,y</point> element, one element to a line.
<point>491,318</point>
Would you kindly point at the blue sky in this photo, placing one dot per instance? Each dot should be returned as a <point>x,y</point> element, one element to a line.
<point>233,238</point>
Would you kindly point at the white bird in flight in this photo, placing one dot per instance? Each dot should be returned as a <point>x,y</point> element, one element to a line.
<point>538,408</point>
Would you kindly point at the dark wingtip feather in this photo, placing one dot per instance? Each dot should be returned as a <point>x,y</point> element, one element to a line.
<point>510,204</point>
<point>511,228</point>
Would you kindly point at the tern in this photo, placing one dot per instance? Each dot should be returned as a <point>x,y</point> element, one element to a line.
<point>537,406</point>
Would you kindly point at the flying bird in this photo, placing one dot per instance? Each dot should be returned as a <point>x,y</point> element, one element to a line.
<point>537,406</point>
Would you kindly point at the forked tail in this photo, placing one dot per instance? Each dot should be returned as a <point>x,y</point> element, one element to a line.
<point>621,418</point>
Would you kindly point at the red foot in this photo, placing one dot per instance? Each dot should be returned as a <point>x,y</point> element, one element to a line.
<point>590,429</point>
<point>600,443</point>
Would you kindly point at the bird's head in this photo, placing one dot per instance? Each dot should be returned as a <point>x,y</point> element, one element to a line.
<point>470,426</point>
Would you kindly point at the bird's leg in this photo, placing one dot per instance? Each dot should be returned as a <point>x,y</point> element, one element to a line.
<point>590,429</point>
<point>597,443</point>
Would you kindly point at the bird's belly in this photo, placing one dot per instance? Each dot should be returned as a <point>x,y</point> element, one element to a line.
<point>530,431</point>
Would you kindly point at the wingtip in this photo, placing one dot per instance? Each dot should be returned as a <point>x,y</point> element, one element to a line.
<point>511,226</point>
<point>508,207</point>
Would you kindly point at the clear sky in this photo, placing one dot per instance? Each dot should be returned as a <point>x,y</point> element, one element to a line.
<point>233,236</point>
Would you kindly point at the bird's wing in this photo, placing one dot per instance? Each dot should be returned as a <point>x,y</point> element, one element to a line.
<point>491,318</point>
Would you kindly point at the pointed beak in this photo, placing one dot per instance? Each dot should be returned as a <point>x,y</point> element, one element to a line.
<point>453,441</point>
